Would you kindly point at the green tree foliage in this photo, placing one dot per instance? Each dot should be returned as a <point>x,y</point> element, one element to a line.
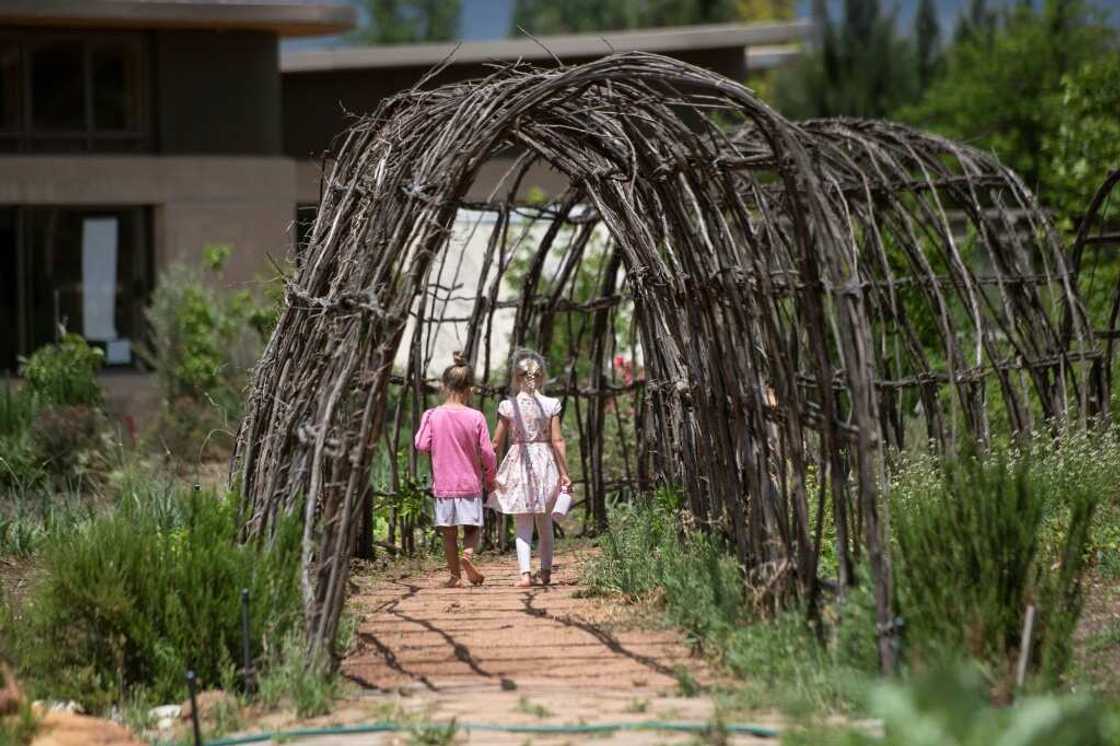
<point>927,42</point>
<point>1083,140</point>
<point>861,66</point>
<point>410,21</point>
<point>1000,90</point>
<point>576,16</point>
<point>977,22</point>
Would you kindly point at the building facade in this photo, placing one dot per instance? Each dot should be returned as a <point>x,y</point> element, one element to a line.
<point>133,133</point>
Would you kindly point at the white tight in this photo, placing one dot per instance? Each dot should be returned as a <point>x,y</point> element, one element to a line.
<point>524,524</point>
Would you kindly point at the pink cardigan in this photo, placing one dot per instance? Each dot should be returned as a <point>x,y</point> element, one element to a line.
<point>459,441</point>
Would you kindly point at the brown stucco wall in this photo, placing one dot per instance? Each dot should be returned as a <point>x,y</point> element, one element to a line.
<point>244,201</point>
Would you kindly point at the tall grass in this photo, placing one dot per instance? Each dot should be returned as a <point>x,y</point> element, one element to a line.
<point>697,585</point>
<point>32,516</point>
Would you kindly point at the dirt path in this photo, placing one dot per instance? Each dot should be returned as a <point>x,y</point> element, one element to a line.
<point>504,655</point>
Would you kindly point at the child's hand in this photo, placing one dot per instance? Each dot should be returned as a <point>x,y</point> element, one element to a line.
<point>566,482</point>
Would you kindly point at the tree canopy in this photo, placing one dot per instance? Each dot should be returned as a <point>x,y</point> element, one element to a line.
<point>409,21</point>
<point>578,16</point>
<point>1003,90</point>
<point>861,66</point>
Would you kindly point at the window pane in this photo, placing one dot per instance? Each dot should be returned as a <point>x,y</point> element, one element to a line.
<point>89,272</point>
<point>117,87</point>
<point>58,86</point>
<point>11,86</point>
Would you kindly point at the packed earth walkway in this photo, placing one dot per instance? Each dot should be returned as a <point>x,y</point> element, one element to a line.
<point>500,655</point>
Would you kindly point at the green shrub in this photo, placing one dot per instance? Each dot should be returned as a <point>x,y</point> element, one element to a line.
<point>980,539</point>
<point>203,343</point>
<point>138,596</point>
<point>64,374</point>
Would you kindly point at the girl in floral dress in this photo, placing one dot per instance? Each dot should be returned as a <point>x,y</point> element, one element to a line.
<point>535,468</point>
<point>463,462</point>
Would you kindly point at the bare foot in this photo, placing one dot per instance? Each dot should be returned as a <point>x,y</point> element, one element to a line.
<point>453,582</point>
<point>472,572</point>
<point>525,582</point>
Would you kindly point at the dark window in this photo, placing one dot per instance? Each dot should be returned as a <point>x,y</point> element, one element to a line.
<point>85,270</point>
<point>116,87</point>
<point>72,92</point>
<point>11,87</point>
<point>58,87</point>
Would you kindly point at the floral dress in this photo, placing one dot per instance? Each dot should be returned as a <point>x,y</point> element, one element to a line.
<point>528,479</point>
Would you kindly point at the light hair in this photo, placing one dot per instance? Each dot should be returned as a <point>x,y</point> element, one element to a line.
<point>459,376</point>
<point>523,362</point>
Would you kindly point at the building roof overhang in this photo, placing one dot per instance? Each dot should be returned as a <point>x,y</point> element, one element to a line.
<point>282,17</point>
<point>779,39</point>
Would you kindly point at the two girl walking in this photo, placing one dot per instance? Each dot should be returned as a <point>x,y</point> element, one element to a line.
<point>526,486</point>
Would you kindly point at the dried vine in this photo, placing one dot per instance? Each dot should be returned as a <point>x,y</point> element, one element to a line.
<point>802,294</point>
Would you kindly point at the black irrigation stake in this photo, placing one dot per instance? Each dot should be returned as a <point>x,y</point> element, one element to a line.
<point>194,709</point>
<point>246,656</point>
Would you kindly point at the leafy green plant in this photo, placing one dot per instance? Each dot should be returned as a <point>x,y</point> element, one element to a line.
<point>64,374</point>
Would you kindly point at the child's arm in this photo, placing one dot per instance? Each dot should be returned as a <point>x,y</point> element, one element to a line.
<point>423,439</point>
<point>560,448</point>
<point>500,434</point>
<point>489,460</point>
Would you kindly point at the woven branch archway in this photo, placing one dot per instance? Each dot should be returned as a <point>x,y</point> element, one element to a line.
<point>801,294</point>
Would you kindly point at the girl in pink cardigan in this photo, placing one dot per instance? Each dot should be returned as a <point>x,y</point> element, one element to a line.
<point>462,463</point>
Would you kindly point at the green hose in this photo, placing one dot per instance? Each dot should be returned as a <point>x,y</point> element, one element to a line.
<point>389,727</point>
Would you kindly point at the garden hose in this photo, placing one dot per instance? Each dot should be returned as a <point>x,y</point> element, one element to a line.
<point>541,728</point>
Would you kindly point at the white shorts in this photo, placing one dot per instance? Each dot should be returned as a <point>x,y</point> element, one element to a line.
<point>459,511</point>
